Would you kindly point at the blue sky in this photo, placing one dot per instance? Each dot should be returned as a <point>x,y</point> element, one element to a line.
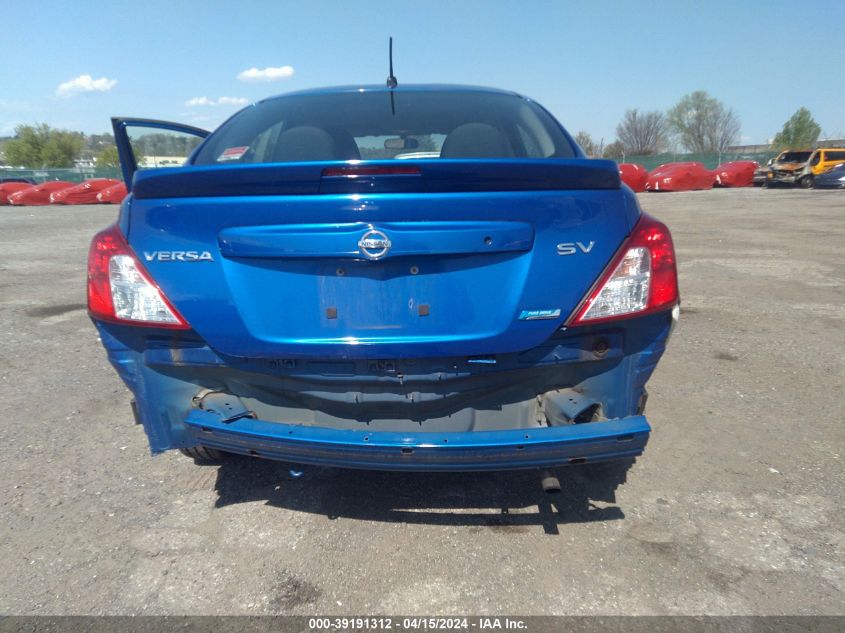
<point>585,61</point>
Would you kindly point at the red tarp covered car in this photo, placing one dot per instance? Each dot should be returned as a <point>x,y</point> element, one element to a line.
<point>39,194</point>
<point>112,195</point>
<point>736,173</point>
<point>85,193</point>
<point>680,177</point>
<point>8,188</point>
<point>633,175</point>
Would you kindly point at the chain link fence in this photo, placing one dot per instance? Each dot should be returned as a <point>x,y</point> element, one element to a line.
<point>711,160</point>
<point>77,174</point>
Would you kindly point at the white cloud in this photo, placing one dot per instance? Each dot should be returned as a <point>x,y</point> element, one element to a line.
<point>254,75</point>
<point>223,101</point>
<point>234,101</point>
<point>199,101</point>
<point>85,83</point>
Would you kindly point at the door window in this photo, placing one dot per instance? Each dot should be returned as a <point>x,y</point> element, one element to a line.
<point>155,148</point>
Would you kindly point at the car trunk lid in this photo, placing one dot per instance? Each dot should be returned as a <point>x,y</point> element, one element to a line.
<point>457,258</point>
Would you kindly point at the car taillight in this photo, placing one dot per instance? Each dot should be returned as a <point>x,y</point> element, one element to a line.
<point>641,279</point>
<point>121,291</point>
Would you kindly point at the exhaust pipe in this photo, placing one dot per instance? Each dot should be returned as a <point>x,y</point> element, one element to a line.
<point>550,483</point>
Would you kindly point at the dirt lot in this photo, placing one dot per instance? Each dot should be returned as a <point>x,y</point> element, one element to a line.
<point>735,508</point>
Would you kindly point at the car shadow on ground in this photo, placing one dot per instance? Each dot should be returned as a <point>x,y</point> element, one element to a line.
<point>509,501</point>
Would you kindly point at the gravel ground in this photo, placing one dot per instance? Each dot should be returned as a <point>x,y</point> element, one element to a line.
<point>734,509</point>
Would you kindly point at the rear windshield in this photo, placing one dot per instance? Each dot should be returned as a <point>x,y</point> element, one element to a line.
<point>372,126</point>
<point>794,157</point>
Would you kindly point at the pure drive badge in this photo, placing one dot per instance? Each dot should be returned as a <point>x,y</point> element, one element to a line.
<point>536,315</point>
<point>178,256</point>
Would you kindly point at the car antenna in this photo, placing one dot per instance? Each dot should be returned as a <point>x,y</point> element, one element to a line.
<point>391,78</point>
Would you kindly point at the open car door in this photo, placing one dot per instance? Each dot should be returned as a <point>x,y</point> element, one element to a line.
<point>151,144</point>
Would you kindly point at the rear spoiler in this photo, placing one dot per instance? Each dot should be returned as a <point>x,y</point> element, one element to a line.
<point>419,176</point>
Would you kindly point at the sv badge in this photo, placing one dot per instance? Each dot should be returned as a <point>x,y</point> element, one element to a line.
<point>570,248</point>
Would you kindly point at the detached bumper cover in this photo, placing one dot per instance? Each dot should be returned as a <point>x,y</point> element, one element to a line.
<point>425,451</point>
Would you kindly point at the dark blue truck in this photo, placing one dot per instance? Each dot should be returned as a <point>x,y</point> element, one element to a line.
<point>410,278</point>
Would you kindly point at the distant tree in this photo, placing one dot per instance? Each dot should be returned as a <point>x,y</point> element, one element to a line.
<point>25,149</point>
<point>37,146</point>
<point>3,141</point>
<point>801,131</point>
<point>725,130</point>
<point>587,144</point>
<point>614,150</point>
<point>97,142</point>
<point>642,132</point>
<point>164,144</point>
<point>61,149</point>
<point>108,157</point>
<point>702,123</point>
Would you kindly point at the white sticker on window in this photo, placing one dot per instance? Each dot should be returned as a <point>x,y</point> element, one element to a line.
<point>233,153</point>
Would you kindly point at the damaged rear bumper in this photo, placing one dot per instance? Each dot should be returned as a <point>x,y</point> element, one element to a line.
<point>470,451</point>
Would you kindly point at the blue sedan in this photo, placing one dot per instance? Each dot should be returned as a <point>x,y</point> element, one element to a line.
<point>409,278</point>
<point>831,179</point>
